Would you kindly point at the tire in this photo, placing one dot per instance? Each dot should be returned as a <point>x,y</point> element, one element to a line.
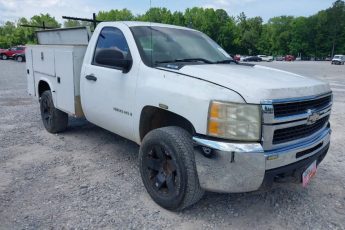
<point>168,170</point>
<point>54,120</point>
<point>4,57</point>
<point>20,59</point>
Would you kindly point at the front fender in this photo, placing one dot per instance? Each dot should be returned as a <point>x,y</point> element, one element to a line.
<point>186,96</point>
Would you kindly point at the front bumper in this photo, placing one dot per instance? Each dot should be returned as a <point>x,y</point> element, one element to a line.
<point>246,167</point>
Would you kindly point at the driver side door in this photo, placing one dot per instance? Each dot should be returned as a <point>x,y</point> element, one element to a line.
<point>108,93</point>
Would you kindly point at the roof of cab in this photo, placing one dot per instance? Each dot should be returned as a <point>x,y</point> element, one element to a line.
<point>137,23</point>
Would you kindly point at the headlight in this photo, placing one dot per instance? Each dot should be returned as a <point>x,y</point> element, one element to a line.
<point>233,121</point>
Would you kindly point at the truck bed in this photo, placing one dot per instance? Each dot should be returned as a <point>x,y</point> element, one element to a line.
<point>57,60</point>
<point>60,66</point>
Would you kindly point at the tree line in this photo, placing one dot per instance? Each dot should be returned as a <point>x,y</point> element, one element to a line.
<point>320,35</point>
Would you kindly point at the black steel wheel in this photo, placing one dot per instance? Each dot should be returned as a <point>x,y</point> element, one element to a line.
<point>160,169</point>
<point>168,169</point>
<point>54,120</point>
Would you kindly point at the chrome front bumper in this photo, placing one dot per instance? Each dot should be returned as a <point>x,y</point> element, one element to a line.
<point>241,167</point>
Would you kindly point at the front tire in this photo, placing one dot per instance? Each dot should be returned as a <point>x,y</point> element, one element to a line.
<point>168,170</point>
<point>4,57</point>
<point>54,120</point>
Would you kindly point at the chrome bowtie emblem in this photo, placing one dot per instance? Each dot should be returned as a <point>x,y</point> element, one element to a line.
<point>313,117</point>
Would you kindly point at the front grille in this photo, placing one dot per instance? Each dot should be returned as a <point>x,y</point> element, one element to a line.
<point>294,108</point>
<point>298,132</point>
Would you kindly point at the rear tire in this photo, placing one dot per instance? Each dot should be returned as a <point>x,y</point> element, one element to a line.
<point>54,120</point>
<point>168,170</point>
<point>4,57</point>
<point>20,59</point>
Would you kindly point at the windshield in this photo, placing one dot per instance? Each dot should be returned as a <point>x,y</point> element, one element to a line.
<point>162,45</point>
<point>337,57</point>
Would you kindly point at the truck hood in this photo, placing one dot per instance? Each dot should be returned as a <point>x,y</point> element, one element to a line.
<point>258,83</point>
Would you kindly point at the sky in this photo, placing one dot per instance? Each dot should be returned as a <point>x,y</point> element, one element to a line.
<point>14,9</point>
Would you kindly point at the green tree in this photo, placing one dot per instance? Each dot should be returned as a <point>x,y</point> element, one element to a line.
<point>250,30</point>
<point>319,35</point>
<point>115,15</point>
<point>161,15</point>
<point>48,21</point>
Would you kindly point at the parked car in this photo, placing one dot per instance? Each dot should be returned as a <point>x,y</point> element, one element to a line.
<point>239,128</point>
<point>19,57</point>
<point>243,57</point>
<point>338,59</point>
<point>279,58</point>
<point>10,53</point>
<point>266,58</point>
<point>237,57</point>
<point>252,58</point>
<point>289,58</point>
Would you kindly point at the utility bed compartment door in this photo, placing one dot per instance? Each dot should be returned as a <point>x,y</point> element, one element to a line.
<point>30,72</point>
<point>64,80</point>
<point>43,59</point>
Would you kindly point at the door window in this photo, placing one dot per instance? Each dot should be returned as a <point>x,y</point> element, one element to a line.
<point>111,38</point>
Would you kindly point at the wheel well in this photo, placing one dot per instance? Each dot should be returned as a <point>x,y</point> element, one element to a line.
<point>42,86</point>
<point>152,118</point>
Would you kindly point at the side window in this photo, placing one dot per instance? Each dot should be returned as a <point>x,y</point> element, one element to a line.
<point>111,44</point>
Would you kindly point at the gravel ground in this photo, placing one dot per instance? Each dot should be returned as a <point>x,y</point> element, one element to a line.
<point>88,178</point>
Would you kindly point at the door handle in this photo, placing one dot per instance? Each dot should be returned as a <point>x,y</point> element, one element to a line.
<point>91,78</point>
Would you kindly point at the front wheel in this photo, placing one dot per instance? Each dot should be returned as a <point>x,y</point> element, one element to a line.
<point>4,57</point>
<point>168,170</point>
<point>54,120</point>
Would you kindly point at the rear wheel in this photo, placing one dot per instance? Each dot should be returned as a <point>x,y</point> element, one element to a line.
<point>4,57</point>
<point>168,169</point>
<point>54,120</point>
<point>20,59</point>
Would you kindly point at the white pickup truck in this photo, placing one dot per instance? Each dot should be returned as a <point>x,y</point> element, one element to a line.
<point>202,120</point>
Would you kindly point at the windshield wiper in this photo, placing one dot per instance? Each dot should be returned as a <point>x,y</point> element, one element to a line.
<point>226,61</point>
<point>186,60</point>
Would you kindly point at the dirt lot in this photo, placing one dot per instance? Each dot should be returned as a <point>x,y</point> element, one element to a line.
<point>89,178</point>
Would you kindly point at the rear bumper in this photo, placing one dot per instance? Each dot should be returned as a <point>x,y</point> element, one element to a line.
<point>245,167</point>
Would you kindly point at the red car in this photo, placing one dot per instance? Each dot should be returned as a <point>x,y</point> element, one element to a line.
<point>237,57</point>
<point>289,58</point>
<point>10,53</point>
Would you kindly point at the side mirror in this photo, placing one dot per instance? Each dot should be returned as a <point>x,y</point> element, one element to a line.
<point>113,58</point>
